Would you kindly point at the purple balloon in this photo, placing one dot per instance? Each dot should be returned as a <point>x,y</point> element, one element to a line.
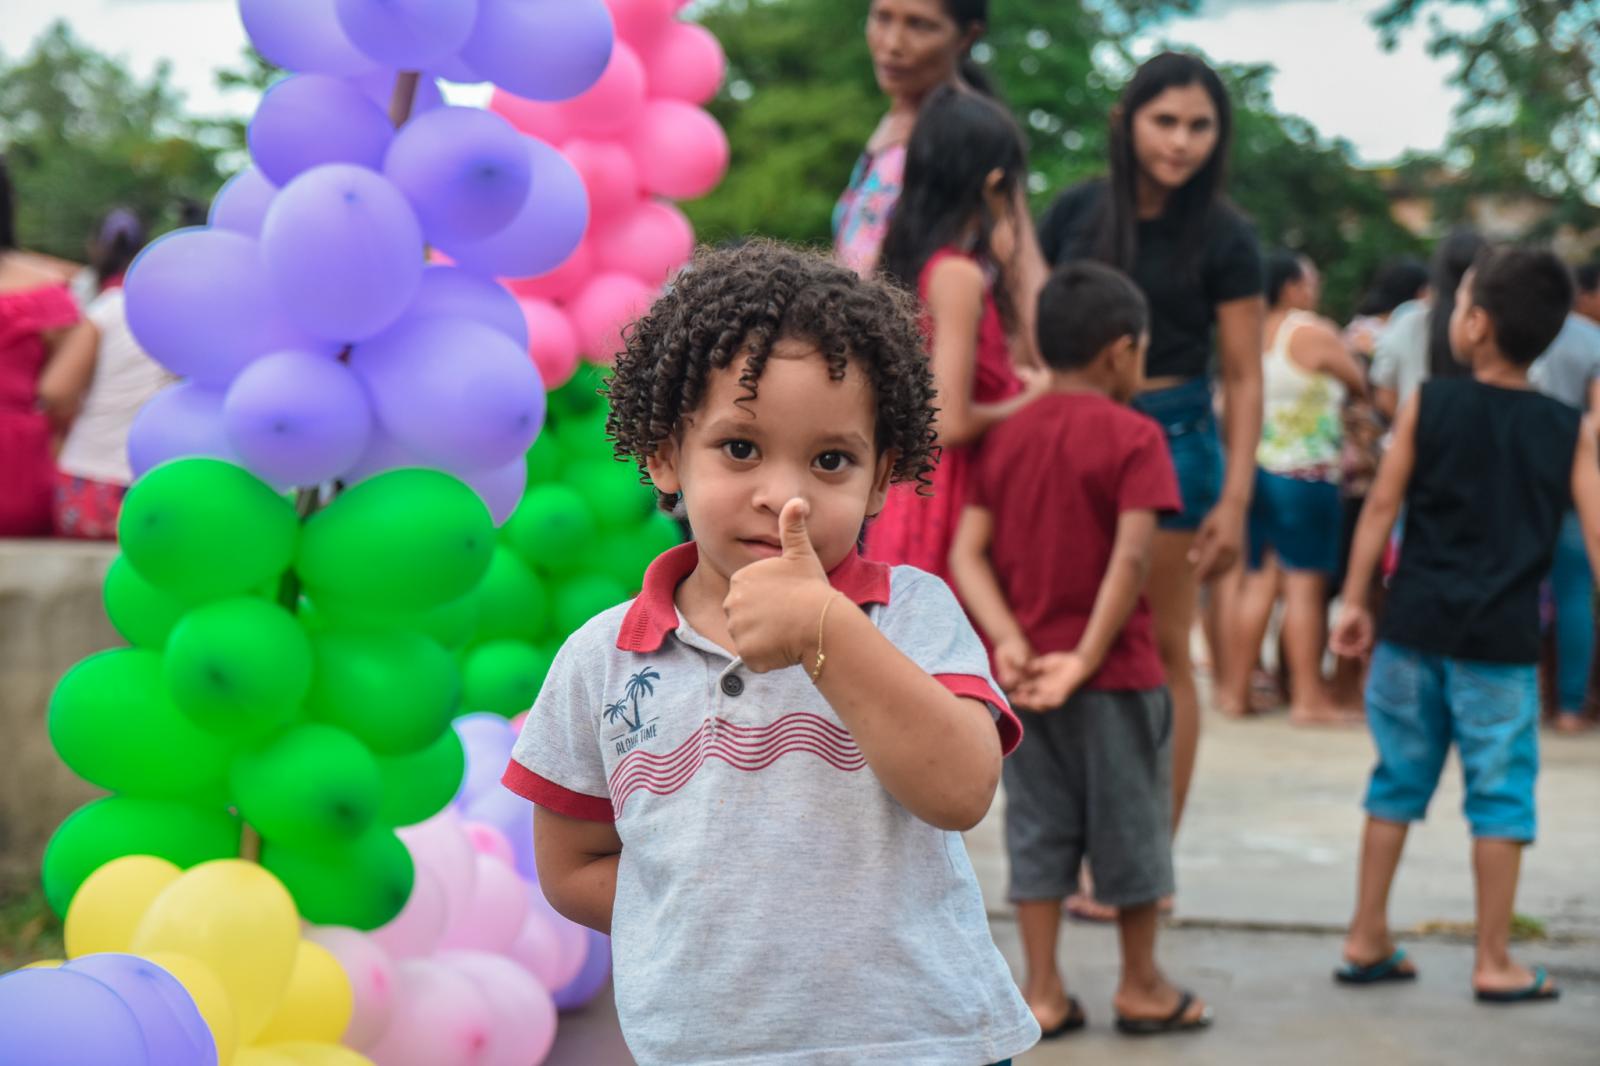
<point>297,418</point>
<point>591,979</point>
<point>546,229</point>
<point>407,33</point>
<point>513,816</point>
<point>487,740</point>
<point>383,453</point>
<point>201,303</point>
<point>455,69</point>
<point>174,1032</point>
<point>379,87</point>
<point>448,290</point>
<point>465,171</point>
<point>62,1018</point>
<point>462,395</point>
<point>312,119</point>
<point>242,203</point>
<point>500,488</point>
<point>302,35</point>
<point>179,422</point>
<point>343,252</point>
<point>540,49</point>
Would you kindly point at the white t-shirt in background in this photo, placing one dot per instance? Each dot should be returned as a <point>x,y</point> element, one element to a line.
<point>125,378</point>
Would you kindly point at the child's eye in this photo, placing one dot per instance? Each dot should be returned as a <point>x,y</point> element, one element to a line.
<point>833,462</point>
<point>739,450</point>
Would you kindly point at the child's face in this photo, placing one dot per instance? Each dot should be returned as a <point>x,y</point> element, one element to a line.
<point>1127,366</point>
<point>738,461</point>
<point>1469,324</point>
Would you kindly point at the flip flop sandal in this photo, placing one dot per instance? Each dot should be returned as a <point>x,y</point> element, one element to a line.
<point>1538,991</point>
<point>1375,973</point>
<point>1075,1020</point>
<point>1172,1023</point>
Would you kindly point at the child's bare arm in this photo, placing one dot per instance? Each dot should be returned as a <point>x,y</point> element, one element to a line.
<point>1352,633</point>
<point>577,861</point>
<point>955,303</point>
<point>980,592</point>
<point>1120,587</point>
<point>1586,485</point>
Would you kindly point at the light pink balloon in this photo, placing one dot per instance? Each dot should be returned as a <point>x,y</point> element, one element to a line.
<point>650,242</point>
<point>487,840</point>
<point>524,1014</point>
<point>640,21</point>
<point>491,921</point>
<point>516,723</point>
<point>562,283</point>
<point>615,101</point>
<point>681,151</point>
<point>538,948</point>
<point>548,122</point>
<point>686,62</point>
<point>416,930</point>
<point>609,174</point>
<point>372,981</point>
<point>608,303</point>
<point>552,342</point>
<point>500,487</point>
<point>439,1019</point>
<point>572,939</point>
<point>441,846</point>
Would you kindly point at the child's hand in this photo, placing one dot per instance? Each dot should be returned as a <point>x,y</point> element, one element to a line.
<point>1052,679</point>
<point>773,605</point>
<point>1352,632</point>
<point>1011,661</point>
<point>1035,381</point>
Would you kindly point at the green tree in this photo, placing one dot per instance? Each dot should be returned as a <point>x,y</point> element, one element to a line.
<point>82,135</point>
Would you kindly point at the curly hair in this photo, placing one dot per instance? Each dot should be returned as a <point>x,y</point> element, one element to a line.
<point>740,302</point>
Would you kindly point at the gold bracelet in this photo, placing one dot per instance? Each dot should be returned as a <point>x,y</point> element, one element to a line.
<point>822,622</point>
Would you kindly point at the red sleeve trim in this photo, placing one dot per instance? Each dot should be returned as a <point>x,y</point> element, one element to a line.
<point>552,797</point>
<point>973,687</point>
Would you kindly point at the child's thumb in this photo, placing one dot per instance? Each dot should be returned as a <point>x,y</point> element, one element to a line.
<point>792,530</point>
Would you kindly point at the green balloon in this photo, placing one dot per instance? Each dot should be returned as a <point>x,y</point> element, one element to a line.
<point>612,490</point>
<point>106,829</point>
<point>142,613</point>
<point>406,540</point>
<point>583,436</point>
<point>112,721</point>
<point>511,601</point>
<point>545,459</point>
<point>238,666</point>
<point>581,392</point>
<point>503,676</point>
<point>395,691</point>
<point>551,528</point>
<point>452,624</point>
<point>310,786</point>
<point>580,598</point>
<point>363,884</point>
<point>417,787</point>
<point>201,529</point>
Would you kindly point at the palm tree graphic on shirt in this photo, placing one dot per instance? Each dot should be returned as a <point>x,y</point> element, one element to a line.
<point>640,685</point>
<point>617,710</point>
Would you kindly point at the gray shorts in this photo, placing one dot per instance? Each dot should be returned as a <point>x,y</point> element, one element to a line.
<point>1093,780</point>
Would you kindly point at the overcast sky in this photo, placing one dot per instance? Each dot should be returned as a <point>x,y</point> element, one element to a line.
<point>1331,69</point>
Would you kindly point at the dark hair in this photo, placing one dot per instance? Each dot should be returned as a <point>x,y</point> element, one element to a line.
<point>741,301</point>
<point>8,207</point>
<point>120,237</point>
<point>1451,261</point>
<point>1587,276</point>
<point>1191,205</point>
<point>958,140</point>
<point>966,14</point>
<point>1398,280</point>
<point>1083,307</point>
<point>1282,268</point>
<point>1527,294</point>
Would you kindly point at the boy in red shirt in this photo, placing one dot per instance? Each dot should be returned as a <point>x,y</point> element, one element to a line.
<point>1050,558</point>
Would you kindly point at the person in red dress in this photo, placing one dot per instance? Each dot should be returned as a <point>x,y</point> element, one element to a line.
<point>954,237</point>
<point>39,322</point>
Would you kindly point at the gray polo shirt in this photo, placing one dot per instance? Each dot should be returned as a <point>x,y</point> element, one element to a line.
<point>775,905</point>
<point>1570,364</point>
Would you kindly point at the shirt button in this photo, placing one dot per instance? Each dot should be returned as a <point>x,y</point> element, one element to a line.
<point>733,685</point>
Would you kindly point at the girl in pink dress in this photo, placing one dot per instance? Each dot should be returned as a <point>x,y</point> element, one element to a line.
<point>954,236</point>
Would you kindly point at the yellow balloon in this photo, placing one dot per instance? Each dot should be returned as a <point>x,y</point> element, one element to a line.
<point>109,904</point>
<point>260,1056</point>
<point>311,1054</point>
<point>44,964</point>
<point>240,921</point>
<point>317,1005</point>
<point>210,998</point>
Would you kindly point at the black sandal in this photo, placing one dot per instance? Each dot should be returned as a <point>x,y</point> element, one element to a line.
<point>1172,1023</point>
<point>1076,1019</point>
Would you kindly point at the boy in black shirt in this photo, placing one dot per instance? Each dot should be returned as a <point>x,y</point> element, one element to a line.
<point>1486,468</point>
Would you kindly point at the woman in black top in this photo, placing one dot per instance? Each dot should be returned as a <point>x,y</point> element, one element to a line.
<point>1162,217</point>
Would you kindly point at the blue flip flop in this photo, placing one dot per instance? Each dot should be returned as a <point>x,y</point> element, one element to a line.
<point>1537,992</point>
<point>1375,973</point>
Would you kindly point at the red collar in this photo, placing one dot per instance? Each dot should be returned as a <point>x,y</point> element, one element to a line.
<point>654,614</point>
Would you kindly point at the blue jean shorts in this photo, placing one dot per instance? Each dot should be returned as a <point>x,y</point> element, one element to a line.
<point>1298,520</point>
<point>1185,415</point>
<point>1419,703</point>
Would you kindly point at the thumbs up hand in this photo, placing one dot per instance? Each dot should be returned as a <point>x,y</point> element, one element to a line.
<point>773,605</point>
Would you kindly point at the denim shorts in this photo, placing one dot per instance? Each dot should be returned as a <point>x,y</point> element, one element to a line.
<point>1419,703</point>
<point>1185,415</point>
<point>1298,520</point>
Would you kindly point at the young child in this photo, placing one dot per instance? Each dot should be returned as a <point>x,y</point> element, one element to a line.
<point>1485,467</point>
<point>1050,557</point>
<point>953,241</point>
<point>755,774</point>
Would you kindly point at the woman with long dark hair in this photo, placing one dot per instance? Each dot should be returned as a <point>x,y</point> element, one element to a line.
<point>1162,216</point>
<point>1416,344</point>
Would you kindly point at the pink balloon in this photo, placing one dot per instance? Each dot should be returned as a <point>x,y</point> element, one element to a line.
<point>516,723</point>
<point>615,101</point>
<point>499,487</point>
<point>640,21</point>
<point>650,242</point>
<point>439,1019</point>
<point>524,1014</point>
<point>416,930</point>
<point>609,174</point>
<point>487,840</point>
<point>608,303</point>
<point>548,122</point>
<point>538,948</point>
<point>372,981</point>
<point>441,845</point>
<point>681,151</point>
<point>685,63</point>
<point>552,342</point>
<point>562,283</point>
<point>572,939</point>
<point>491,921</point>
